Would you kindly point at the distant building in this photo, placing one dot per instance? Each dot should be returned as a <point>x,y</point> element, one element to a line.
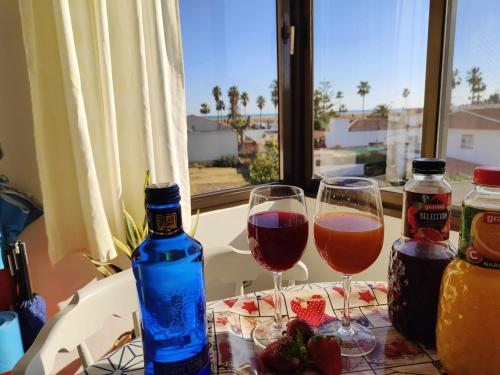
<point>210,140</point>
<point>254,140</point>
<point>404,135</point>
<point>348,132</point>
<point>473,138</point>
<point>336,163</point>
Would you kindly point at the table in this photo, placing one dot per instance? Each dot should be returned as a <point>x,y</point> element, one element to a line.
<point>230,323</point>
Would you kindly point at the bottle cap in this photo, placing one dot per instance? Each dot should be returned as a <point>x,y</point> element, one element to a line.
<point>489,176</point>
<point>162,193</point>
<point>428,166</point>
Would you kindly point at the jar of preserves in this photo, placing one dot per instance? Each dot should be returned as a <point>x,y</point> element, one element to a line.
<point>468,333</point>
<point>420,256</point>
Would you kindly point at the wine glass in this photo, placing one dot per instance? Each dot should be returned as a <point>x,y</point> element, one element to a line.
<point>349,234</point>
<point>277,231</point>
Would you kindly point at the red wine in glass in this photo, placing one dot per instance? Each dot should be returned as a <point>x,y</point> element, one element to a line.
<point>277,231</point>
<point>277,239</point>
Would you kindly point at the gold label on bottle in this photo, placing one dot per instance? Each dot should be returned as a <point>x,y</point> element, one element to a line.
<point>166,223</point>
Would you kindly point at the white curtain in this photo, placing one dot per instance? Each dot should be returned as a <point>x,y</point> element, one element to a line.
<point>107,88</point>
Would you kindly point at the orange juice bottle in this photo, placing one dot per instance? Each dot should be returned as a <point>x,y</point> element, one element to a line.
<point>468,329</point>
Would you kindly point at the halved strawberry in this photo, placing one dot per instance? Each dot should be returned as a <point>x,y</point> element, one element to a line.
<point>411,216</point>
<point>442,198</point>
<point>284,355</point>
<point>298,325</point>
<point>324,352</point>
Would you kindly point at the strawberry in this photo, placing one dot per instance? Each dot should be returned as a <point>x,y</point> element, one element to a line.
<point>411,216</point>
<point>442,198</point>
<point>298,325</point>
<point>324,352</point>
<point>284,355</point>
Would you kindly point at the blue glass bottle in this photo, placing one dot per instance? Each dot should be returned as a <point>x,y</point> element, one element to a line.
<point>168,268</point>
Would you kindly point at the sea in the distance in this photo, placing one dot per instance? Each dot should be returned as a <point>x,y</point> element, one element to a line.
<point>268,115</point>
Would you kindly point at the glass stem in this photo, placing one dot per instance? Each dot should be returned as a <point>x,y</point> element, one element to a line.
<point>346,320</point>
<point>277,299</point>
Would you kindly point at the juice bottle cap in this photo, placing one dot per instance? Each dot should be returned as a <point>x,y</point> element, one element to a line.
<point>488,176</point>
<point>428,166</point>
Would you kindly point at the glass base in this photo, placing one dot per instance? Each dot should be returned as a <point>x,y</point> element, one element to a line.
<point>267,332</point>
<point>356,340</point>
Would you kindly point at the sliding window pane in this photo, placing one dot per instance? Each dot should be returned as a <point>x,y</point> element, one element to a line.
<point>473,117</point>
<point>230,62</point>
<point>369,79</point>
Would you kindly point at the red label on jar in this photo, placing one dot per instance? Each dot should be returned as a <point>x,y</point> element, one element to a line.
<point>427,216</point>
<point>491,218</point>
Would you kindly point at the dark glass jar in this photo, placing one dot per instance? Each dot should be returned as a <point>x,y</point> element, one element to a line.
<point>419,257</point>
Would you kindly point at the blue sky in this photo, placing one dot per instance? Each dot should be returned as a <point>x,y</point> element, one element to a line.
<point>228,42</point>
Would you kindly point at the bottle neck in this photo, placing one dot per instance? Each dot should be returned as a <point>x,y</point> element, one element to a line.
<point>428,177</point>
<point>164,220</point>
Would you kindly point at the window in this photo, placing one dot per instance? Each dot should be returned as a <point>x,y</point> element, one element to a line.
<point>369,81</point>
<point>467,141</point>
<point>471,114</point>
<point>230,61</point>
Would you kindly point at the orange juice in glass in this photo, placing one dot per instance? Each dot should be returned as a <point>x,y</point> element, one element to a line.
<point>349,234</point>
<point>348,241</point>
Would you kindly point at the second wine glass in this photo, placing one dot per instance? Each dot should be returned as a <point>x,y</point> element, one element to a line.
<point>349,234</point>
<point>277,235</point>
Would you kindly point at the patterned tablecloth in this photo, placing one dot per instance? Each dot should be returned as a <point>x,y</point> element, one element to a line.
<point>231,321</point>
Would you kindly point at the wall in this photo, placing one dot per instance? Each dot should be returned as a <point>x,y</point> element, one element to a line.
<point>16,123</point>
<point>338,134</point>
<point>485,150</point>
<point>209,146</point>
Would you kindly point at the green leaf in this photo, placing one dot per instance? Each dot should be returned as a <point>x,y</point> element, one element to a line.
<point>419,205</point>
<point>122,247</point>
<point>193,230</point>
<point>133,235</point>
<point>104,268</point>
<point>147,180</point>
<point>104,271</point>
<point>425,198</point>
<point>145,230</point>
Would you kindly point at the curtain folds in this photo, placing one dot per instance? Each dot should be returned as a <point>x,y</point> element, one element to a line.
<point>107,88</point>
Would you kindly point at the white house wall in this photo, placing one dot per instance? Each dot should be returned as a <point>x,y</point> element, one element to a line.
<point>486,149</point>
<point>209,146</point>
<point>338,134</point>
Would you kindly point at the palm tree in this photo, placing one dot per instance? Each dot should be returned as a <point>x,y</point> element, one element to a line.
<point>340,95</point>
<point>244,100</point>
<point>382,110</point>
<point>342,109</point>
<point>261,102</point>
<point>363,90</point>
<point>477,86</point>
<point>217,93</point>
<point>406,93</point>
<point>234,96</point>
<point>205,109</point>
<point>221,106</point>
<point>455,79</point>
<point>274,93</point>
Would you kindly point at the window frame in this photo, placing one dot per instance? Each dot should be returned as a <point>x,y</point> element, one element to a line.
<point>295,109</point>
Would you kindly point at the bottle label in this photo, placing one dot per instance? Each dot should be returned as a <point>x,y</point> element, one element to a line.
<point>427,216</point>
<point>188,366</point>
<point>479,242</point>
<point>167,222</point>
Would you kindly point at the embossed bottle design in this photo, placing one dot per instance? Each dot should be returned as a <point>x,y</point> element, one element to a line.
<point>168,267</point>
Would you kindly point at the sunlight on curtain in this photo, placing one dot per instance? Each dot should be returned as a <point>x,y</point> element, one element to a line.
<point>107,88</point>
